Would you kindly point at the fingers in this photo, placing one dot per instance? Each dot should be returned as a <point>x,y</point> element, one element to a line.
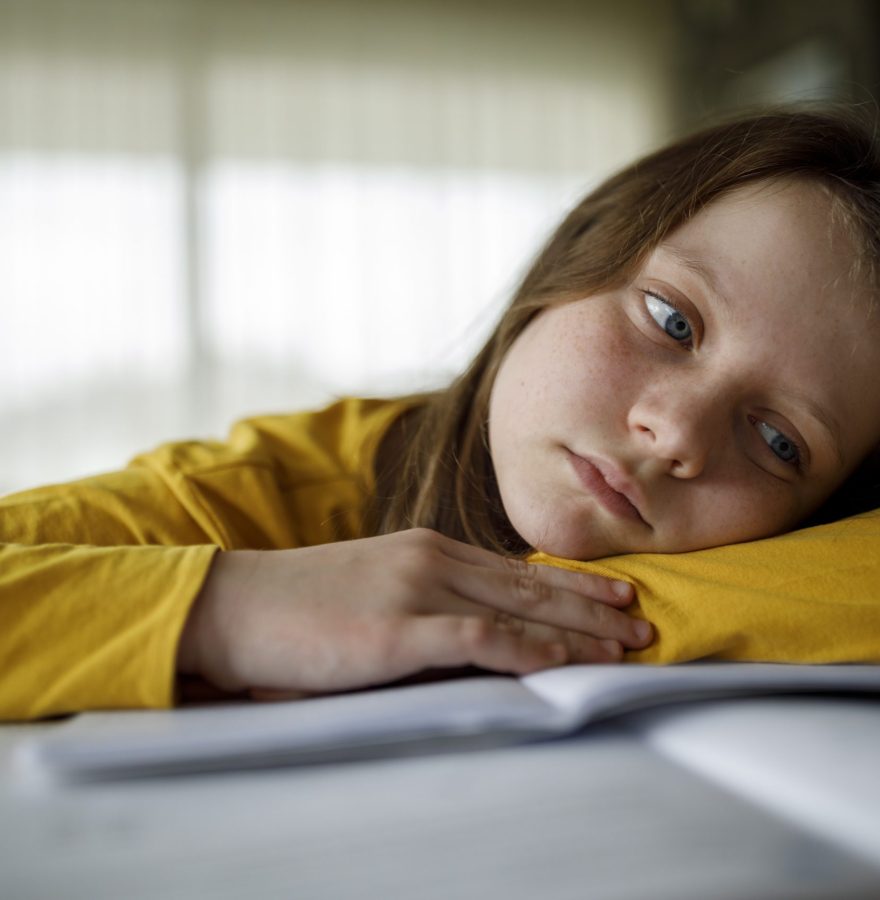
<point>605,590</point>
<point>445,641</point>
<point>497,644</point>
<point>580,646</point>
<point>528,592</point>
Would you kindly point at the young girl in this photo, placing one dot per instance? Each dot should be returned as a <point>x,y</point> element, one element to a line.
<point>689,363</point>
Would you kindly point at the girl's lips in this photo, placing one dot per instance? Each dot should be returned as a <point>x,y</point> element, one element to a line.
<point>596,482</point>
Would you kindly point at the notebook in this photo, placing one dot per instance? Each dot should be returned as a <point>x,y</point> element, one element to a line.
<point>471,711</point>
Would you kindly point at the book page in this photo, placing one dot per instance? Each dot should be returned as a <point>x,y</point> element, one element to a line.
<point>248,733</point>
<point>586,693</point>
<point>495,709</point>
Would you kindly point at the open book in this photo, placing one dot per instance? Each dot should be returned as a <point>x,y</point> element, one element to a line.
<point>464,712</point>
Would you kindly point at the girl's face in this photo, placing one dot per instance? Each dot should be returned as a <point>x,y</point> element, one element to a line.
<point>720,396</point>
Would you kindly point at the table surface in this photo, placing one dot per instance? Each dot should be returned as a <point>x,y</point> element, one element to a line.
<point>761,797</point>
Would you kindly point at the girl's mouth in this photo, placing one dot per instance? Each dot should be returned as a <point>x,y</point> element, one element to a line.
<point>597,476</point>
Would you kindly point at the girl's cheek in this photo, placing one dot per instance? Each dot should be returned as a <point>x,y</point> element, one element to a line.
<point>622,358</point>
<point>753,507</point>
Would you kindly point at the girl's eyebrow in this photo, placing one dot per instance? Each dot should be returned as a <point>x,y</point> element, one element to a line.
<point>829,424</point>
<point>703,271</point>
<point>699,268</point>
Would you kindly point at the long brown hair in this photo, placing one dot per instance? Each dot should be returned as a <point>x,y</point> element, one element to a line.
<point>437,472</point>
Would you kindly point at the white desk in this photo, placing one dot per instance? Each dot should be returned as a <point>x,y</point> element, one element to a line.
<point>659,805</point>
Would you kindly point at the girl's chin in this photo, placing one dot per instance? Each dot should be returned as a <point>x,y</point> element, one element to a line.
<point>560,525</point>
<point>567,542</point>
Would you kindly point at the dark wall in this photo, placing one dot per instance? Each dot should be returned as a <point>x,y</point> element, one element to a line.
<point>737,53</point>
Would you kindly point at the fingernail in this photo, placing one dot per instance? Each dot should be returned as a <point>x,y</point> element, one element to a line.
<point>622,589</point>
<point>643,630</point>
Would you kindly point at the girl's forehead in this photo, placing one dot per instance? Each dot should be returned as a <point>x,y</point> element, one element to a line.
<point>782,232</point>
<point>765,206</point>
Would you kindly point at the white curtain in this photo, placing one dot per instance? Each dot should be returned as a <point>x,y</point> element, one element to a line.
<point>220,207</point>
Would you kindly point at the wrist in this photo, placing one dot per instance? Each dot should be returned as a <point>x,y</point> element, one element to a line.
<point>207,642</point>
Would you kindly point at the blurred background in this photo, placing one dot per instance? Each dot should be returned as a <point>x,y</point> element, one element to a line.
<point>214,208</point>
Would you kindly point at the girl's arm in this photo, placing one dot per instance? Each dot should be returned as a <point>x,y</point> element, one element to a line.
<point>96,580</point>
<point>85,627</point>
<point>809,596</point>
<point>97,577</point>
<point>364,612</point>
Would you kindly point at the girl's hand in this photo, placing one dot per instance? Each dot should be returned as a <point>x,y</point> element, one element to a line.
<point>358,613</point>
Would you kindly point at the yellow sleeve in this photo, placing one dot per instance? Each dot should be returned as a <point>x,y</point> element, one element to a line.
<point>92,627</point>
<point>811,596</point>
<point>97,576</point>
<point>96,579</point>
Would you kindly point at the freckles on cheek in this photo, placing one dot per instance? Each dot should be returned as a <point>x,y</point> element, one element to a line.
<point>611,361</point>
<point>584,346</point>
<point>617,347</point>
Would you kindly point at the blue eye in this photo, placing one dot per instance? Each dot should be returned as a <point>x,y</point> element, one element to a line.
<point>669,318</point>
<point>785,448</point>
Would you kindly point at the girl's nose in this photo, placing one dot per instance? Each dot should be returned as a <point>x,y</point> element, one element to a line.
<point>676,430</point>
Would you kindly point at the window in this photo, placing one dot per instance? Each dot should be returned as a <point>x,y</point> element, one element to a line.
<point>210,209</point>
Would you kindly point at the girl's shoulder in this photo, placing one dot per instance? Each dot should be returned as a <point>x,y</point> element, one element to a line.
<point>341,438</point>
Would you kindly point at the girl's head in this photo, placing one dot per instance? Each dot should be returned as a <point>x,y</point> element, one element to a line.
<point>689,362</point>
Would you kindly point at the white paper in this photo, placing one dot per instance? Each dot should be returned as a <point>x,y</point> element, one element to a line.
<point>490,708</point>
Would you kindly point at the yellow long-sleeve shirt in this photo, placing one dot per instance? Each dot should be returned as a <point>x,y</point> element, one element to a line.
<point>97,576</point>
